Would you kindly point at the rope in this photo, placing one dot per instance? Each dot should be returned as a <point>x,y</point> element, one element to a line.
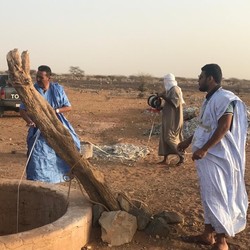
<point>71,177</point>
<point>19,183</point>
<point>152,128</point>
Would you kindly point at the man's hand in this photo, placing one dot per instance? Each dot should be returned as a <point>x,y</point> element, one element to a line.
<point>199,154</point>
<point>31,124</point>
<point>224,124</point>
<point>182,146</point>
<point>162,94</point>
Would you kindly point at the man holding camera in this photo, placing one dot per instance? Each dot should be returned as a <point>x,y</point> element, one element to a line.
<point>172,120</point>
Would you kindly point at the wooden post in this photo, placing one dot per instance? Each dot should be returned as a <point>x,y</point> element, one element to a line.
<point>57,136</point>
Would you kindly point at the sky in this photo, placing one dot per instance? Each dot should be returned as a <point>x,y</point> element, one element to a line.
<point>129,37</point>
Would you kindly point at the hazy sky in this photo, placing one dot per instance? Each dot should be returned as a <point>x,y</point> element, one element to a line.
<point>129,37</point>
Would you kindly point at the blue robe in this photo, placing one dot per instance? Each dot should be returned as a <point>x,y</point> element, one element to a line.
<point>44,164</point>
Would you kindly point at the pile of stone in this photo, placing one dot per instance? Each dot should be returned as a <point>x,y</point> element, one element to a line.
<point>190,115</point>
<point>190,123</point>
<point>119,227</point>
<point>120,151</point>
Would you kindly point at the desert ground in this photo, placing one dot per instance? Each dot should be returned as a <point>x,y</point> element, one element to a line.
<point>110,113</point>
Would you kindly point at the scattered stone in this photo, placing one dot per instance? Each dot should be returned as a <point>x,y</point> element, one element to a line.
<point>118,227</point>
<point>190,112</point>
<point>158,226</point>
<point>189,127</point>
<point>124,203</point>
<point>97,211</point>
<point>142,217</point>
<point>155,130</point>
<point>136,208</point>
<point>170,217</point>
<point>191,120</point>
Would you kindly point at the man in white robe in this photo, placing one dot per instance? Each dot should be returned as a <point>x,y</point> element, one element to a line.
<point>218,146</point>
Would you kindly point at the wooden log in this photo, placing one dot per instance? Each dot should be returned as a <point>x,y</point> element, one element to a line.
<point>57,136</point>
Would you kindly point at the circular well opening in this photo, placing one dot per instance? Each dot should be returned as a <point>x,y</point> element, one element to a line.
<point>38,206</point>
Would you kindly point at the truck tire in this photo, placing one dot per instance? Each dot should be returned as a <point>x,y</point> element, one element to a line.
<point>1,112</point>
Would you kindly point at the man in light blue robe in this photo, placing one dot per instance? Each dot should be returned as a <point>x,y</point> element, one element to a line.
<point>44,164</point>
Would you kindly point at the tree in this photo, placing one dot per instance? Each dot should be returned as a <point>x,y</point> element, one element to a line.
<point>57,136</point>
<point>76,72</point>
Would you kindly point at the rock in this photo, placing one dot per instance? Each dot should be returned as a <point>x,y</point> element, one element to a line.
<point>170,217</point>
<point>97,211</point>
<point>190,112</point>
<point>158,227</point>
<point>124,203</point>
<point>142,217</point>
<point>189,127</point>
<point>118,227</point>
<point>136,208</point>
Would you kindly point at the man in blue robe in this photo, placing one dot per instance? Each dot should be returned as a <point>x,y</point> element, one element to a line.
<point>44,164</point>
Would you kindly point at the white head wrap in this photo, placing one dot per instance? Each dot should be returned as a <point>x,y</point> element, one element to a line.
<point>169,82</point>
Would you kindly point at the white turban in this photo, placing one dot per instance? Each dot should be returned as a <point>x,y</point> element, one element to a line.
<point>169,82</point>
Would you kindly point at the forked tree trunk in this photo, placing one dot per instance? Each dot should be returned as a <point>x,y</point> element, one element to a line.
<point>55,133</point>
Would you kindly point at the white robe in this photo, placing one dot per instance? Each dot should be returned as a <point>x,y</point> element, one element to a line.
<point>221,172</point>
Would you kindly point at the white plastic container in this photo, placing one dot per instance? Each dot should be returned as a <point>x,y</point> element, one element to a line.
<point>86,149</point>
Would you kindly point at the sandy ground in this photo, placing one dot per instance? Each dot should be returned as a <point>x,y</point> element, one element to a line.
<point>112,115</point>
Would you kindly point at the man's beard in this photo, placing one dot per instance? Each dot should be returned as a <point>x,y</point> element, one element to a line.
<point>203,88</point>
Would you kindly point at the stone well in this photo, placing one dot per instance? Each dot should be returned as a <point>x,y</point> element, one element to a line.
<point>45,220</point>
